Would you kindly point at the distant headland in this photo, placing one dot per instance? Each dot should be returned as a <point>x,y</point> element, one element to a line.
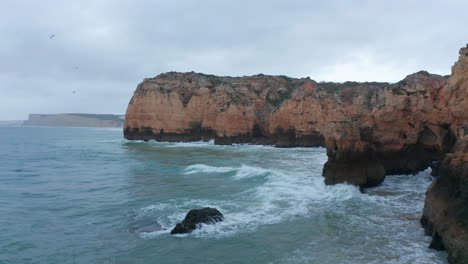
<point>75,120</point>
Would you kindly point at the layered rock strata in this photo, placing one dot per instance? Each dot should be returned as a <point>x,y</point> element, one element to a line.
<point>259,109</point>
<point>369,129</point>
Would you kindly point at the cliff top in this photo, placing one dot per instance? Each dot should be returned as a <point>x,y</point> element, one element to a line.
<point>277,88</point>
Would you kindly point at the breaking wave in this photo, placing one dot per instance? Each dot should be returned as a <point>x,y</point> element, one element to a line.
<point>283,196</point>
<point>240,172</point>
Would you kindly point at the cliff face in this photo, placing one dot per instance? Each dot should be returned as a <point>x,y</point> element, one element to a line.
<point>369,129</point>
<point>421,121</point>
<point>445,215</point>
<point>259,109</point>
<point>402,133</point>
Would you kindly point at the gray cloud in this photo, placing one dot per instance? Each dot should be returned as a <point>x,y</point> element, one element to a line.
<point>102,49</point>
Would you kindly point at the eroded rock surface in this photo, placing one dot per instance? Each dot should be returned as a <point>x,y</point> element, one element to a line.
<point>259,109</point>
<point>445,215</point>
<point>369,129</point>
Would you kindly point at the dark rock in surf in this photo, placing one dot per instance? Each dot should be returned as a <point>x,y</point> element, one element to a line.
<point>195,217</point>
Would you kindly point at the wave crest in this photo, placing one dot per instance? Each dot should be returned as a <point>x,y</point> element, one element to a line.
<point>241,172</point>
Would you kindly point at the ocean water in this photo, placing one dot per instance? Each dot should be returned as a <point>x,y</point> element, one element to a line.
<point>83,195</point>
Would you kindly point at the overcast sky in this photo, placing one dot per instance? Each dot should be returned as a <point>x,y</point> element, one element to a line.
<point>103,49</point>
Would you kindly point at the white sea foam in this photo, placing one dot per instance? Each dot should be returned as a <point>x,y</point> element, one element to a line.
<point>273,203</point>
<point>151,235</point>
<point>119,140</point>
<point>160,206</point>
<point>286,193</point>
<point>202,168</point>
<point>284,196</point>
<point>389,214</point>
<point>241,172</point>
<point>249,171</point>
<point>190,144</point>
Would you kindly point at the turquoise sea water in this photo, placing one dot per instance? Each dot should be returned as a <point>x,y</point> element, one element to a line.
<point>82,195</point>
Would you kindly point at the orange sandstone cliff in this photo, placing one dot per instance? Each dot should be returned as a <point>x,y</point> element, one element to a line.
<point>369,129</point>
<point>445,215</point>
<point>259,109</point>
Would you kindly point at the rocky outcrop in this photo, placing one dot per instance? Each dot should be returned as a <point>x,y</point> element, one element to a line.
<point>421,121</point>
<point>195,217</point>
<point>406,132</point>
<point>369,129</point>
<point>445,215</point>
<point>260,109</point>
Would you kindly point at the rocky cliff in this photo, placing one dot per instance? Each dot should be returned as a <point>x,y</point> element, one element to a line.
<point>370,129</point>
<point>421,121</point>
<point>259,109</point>
<point>445,215</point>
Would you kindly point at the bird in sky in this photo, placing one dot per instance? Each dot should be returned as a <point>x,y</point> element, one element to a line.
<point>73,92</point>
<point>52,36</point>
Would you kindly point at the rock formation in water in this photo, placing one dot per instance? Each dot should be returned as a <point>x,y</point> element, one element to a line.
<point>370,129</point>
<point>195,217</point>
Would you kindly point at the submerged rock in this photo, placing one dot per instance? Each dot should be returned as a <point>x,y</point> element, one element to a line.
<point>195,217</point>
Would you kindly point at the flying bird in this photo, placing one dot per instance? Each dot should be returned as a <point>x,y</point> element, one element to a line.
<point>73,92</point>
<point>52,36</point>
